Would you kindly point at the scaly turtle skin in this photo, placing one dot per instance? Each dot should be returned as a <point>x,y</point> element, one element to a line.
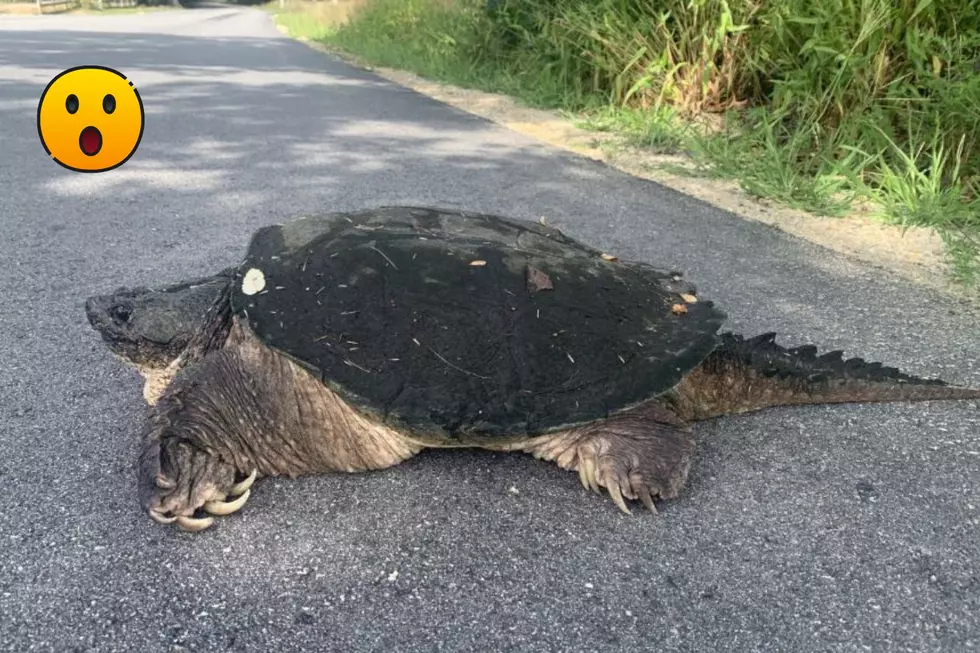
<point>350,342</point>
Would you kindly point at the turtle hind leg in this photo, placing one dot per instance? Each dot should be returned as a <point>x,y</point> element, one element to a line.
<point>639,455</point>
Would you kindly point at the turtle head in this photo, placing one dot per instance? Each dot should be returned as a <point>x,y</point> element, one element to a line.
<point>149,328</point>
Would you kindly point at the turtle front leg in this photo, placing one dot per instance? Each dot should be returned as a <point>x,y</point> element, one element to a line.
<point>180,482</point>
<point>246,410</point>
<point>639,455</point>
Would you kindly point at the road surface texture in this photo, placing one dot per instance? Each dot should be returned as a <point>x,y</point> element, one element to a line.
<point>847,528</point>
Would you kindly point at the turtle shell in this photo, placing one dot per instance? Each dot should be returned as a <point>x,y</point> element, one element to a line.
<point>462,327</point>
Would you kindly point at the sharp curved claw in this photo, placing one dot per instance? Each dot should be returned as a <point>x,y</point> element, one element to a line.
<point>160,519</point>
<point>648,501</point>
<point>193,524</point>
<point>226,508</point>
<point>587,470</point>
<point>617,497</point>
<point>241,488</point>
<point>165,483</point>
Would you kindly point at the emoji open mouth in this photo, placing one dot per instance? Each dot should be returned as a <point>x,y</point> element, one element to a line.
<point>90,141</point>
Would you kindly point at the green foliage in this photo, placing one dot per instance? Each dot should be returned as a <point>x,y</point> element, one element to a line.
<point>771,164</point>
<point>429,37</point>
<point>823,100</point>
<point>658,128</point>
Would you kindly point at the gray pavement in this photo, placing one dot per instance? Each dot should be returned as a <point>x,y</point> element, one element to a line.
<point>847,528</point>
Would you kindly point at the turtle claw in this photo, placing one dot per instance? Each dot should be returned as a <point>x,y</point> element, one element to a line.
<point>586,474</point>
<point>160,518</point>
<point>216,506</point>
<point>648,502</point>
<point>186,486</point>
<point>222,508</point>
<point>243,486</point>
<point>617,498</point>
<point>193,524</point>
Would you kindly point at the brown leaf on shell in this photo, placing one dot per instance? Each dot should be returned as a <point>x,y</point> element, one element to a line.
<point>690,299</point>
<point>678,309</point>
<point>609,257</point>
<point>478,263</point>
<point>538,280</point>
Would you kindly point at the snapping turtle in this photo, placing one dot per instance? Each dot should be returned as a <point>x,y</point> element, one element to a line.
<point>352,341</point>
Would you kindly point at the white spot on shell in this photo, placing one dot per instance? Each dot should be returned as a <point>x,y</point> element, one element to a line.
<point>253,282</point>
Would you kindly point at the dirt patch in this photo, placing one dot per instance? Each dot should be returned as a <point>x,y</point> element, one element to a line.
<point>916,254</point>
<point>18,9</point>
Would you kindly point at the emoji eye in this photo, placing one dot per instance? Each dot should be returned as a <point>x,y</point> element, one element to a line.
<point>109,103</point>
<point>71,103</point>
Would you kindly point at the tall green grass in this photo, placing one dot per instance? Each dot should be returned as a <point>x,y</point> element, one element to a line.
<point>823,101</point>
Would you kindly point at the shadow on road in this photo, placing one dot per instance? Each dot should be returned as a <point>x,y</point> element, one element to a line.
<point>250,122</point>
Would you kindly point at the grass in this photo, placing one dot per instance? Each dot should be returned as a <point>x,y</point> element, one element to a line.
<point>819,104</point>
<point>311,20</point>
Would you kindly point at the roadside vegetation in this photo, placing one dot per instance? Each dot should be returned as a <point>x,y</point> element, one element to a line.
<point>819,105</point>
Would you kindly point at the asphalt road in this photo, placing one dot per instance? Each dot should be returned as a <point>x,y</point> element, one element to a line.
<point>847,528</point>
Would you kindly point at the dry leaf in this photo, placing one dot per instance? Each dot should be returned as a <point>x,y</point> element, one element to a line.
<point>478,263</point>
<point>537,280</point>
<point>690,299</point>
<point>609,257</point>
<point>543,220</point>
<point>678,309</point>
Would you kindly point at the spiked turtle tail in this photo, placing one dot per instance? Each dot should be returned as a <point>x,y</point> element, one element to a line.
<point>748,374</point>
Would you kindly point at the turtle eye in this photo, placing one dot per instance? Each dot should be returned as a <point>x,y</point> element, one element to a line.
<point>120,313</point>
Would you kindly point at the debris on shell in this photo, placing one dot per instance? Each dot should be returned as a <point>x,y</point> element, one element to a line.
<point>253,282</point>
<point>678,309</point>
<point>543,220</point>
<point>609,257</point>
<point>478,263</point>
<point>538,280</point>
<point>690,299</point>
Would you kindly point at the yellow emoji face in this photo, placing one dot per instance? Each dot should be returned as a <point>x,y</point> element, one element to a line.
<point>90,119</point>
